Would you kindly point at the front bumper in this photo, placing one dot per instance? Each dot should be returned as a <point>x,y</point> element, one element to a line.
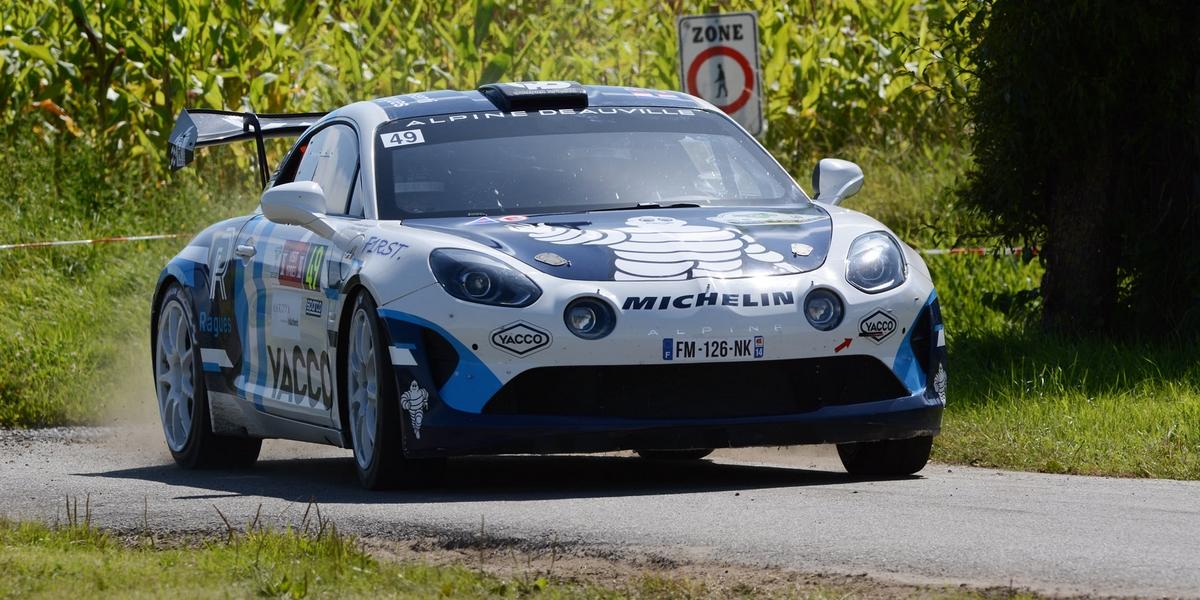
<point>579,406</point>
<point>462,434</point>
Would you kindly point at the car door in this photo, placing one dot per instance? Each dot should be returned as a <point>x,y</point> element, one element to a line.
<point>290,368</point>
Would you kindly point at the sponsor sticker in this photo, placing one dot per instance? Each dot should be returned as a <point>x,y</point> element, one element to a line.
<point>877,326</point>
<point>521,338</point>
<point>661,247</point>
<point>415,401</point>
<point>402,138</point>
<point>218,263</point>
<point>383,247</point>
<point>301,375</point>
<point>214,325</point>
<point>735,348</point>
<point>752,217</point>
<point>501,219</point>
<point>314,307</point>
<point>300,265</point>
<point>285,315</point>
<point>547,112</point>
<point>709,299</point>
<point>939,383</point>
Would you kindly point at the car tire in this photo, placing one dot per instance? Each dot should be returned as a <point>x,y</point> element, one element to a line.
<point>378,440</point>
<point>183,396</point>
<point>887,458</point>
<point>689,454</point>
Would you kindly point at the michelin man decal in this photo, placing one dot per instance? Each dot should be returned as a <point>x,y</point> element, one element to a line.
<point>939,383</point>
<point>415,402</point>
<point>657,247</point>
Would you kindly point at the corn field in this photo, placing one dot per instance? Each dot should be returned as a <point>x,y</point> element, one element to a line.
<point>114,74</point>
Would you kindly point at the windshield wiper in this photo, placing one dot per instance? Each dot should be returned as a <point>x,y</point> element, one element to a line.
<point>647,205</point>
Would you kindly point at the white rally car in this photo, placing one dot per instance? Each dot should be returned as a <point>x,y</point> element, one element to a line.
<point>540,267</point>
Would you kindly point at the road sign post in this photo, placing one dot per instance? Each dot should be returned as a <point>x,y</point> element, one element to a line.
<point>718,61</point>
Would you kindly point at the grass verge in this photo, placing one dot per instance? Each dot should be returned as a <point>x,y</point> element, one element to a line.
<point>81,560</point>
<point>1021,399</point>
<point>71,317</point>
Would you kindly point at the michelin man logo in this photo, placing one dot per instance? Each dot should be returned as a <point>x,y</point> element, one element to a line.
<point>939,383</point>
<point>653,247</point>
<point>415,401</point>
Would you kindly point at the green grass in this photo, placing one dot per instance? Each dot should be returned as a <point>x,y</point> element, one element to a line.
<point>81,561</point>
<point>1021,399</point>
<point>73,320</point>
<point>86,562</point>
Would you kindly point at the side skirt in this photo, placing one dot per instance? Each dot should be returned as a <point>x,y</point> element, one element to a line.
<point>234,417</point>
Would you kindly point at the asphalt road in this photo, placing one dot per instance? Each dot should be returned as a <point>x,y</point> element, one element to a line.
<point>786,509</point>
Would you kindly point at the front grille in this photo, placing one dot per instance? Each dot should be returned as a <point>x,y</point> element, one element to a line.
<point>697,390</point>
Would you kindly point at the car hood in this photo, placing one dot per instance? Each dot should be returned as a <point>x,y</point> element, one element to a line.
<point>655,244</point>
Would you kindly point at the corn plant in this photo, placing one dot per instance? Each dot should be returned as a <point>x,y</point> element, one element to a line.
<point>115,73</point>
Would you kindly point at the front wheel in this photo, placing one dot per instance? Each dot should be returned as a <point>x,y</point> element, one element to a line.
<point>183,397</point>
<point>887,458</point>
<point>373,408</point>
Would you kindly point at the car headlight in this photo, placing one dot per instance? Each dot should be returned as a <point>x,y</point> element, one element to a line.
<point>477,277</point>
<point>875,263</point>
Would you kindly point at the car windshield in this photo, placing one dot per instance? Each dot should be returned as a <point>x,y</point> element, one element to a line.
<point>554,161</point>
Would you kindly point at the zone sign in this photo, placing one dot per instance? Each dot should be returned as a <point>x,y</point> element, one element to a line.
<point>718,61</point>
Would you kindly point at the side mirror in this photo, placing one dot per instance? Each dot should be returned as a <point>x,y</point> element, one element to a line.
<point>297,203</point>
<point>834,180</point>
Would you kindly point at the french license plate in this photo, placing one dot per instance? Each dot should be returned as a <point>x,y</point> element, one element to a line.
<point>708,349</point>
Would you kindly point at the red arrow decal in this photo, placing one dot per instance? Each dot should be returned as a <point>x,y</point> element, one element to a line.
<point>843,345</point>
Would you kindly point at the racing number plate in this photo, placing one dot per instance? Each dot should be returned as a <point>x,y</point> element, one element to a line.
<point>708,349</point>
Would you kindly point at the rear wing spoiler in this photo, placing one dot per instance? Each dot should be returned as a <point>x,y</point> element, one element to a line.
<point>200,127</point>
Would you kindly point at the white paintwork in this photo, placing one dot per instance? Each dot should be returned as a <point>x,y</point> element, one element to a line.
<point>216,356</point>
<point>297,203</point>
<point>839,179</point>
<point>402,357</point>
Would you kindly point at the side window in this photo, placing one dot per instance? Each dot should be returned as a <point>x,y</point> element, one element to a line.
<point>331,159</point>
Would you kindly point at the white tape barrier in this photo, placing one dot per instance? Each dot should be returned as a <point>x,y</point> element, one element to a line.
<point>980,251</point>
<point>103,240</point>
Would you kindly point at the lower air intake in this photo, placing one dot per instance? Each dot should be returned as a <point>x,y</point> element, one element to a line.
<point>697,390</point>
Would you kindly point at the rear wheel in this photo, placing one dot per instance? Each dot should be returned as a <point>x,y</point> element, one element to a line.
<point>373,408</point>
<point>690,454</point>
<point>183,397</point>
<point>887,458</point>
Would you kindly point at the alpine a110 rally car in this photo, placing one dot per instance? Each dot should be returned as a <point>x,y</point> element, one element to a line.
<point>540,267</point>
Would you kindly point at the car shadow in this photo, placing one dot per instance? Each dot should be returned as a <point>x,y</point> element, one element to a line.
<point>475,479</point>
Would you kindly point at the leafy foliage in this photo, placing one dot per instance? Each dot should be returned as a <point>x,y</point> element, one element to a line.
<point>838,73</point>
